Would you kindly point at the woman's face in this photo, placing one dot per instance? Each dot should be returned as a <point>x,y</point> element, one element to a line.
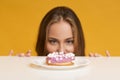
<point>60,38</point>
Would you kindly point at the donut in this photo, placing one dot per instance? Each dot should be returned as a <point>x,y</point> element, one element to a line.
<point>60,59</point>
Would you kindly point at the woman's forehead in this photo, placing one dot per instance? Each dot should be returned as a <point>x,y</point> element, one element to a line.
<point>60,27</point>
<point>60,30</point>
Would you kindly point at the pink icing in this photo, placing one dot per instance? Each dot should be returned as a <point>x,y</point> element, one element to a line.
<point>60,57</point>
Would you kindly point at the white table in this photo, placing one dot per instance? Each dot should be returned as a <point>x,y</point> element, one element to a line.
<point>20,68</point>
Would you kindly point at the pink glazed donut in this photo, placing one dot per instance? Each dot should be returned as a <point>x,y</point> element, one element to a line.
<point>60,59</point>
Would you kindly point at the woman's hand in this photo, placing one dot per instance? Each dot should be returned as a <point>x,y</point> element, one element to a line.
<point>27,54</point>
<point>99,55</point>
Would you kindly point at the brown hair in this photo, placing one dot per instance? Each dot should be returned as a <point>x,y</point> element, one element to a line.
<point>53,16</point>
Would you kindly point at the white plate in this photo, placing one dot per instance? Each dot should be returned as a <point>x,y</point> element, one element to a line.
<point>77,63</point>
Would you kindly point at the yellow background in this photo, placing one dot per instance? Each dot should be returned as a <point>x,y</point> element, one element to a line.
<point>20,19</point>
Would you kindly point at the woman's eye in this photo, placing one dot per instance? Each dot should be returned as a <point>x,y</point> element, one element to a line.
<point>69,42</point>
<point>52,41</point>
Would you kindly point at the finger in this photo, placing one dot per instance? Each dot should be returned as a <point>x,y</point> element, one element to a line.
<point>21,54</point>
<point>11,52</point>
<point>97,55</point>
<point>28,54</point>
<point>91,54</point>
<point>107,53</point>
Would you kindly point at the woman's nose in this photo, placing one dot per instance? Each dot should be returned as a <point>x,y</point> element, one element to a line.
<point>61,48</point>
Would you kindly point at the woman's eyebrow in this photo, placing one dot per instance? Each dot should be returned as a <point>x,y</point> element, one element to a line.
<point>70,38</point>
<point>52,38</point>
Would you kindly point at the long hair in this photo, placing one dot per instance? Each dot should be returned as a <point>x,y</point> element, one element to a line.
<point>53,16</point>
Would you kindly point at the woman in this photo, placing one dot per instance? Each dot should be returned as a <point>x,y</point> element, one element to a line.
<point>60,31</point>
<point>71,39</point>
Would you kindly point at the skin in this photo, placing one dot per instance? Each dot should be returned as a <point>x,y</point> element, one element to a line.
<point>60,38</point>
